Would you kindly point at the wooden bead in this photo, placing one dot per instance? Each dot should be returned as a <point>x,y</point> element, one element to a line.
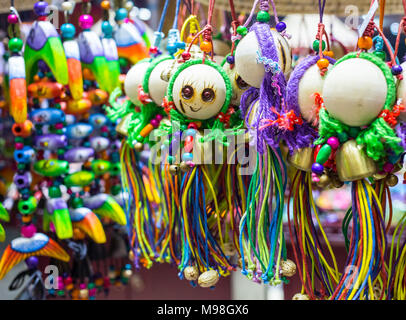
<point>365,43</point>
<point>329,54</point>
<point>105,5</point>
<point>206,46</point>
<point>191,273</point>
<point>323,63</point>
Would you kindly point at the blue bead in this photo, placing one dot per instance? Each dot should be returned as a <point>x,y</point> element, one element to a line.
<point>107,28</point>
<point>280,26</point>
<point>396,69</point>
<point>190,132</point>
<point>171,47</point>
<point>230,59</point>
<point>121,14</point>
<point>187,156</point>
<point>68,30</point>
<point>180,45</point>
<point>317,168</point>
<point>40,8</point>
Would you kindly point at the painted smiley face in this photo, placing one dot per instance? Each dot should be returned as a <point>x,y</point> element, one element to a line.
<point>199,92</point>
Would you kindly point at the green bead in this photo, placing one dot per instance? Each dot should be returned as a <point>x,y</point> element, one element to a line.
<point>15,45</point>
<point>353,132</point>
<point>139,138</point>
<point>316,45</point>
<point>380,54</point>
<point>21,166</point>
<point>77,202</point>
<point>263,16</point>
<point>61,151</point>
<point>61,293</point>
<point>91,285</point>
<point>324,154</point>
<point>54,192</point>
<point>123,62</point>
<point>241,30</point>
<point>19,139</point>
<point>27,206</point>
<point>342,136</point>
<point>115,190</point>
<point>171,159</point>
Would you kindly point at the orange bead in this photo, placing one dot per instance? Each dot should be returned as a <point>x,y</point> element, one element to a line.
<point>190,38</point>
<point>26,218</point>
<point>323,63</point>
<point>365,43</point>
<point>105,5</point>
<point>206,46</point>
<point>78,234</point>
<point>329,54</point>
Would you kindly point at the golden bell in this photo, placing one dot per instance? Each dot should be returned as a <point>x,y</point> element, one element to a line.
<point>302,159</point>
<point>352,162</point>
<point>122,127</point>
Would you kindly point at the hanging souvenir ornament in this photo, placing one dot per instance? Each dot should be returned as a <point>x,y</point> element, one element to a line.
<point>364,144</point>
<point>43,43</point>
<point>92,53</point>
<point>303,96</point>
<point>72,53</point>
<point>262,244</point>
<point>16,71</point>
<point>129,43</point>
<point>31,243</point>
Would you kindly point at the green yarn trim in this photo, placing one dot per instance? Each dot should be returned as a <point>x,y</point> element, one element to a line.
<point>151,67</point>
<point>218,132</point>
<point>378,137</point>
<point>223,74</point>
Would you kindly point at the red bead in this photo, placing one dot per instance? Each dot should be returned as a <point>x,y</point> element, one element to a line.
<point>12,18</point>
<point>186,55</point>
<point>19,145</point>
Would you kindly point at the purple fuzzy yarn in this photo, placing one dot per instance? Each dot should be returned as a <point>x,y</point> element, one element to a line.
<point>401,132</point>
<point>304,135</point>
<point>268,96</point>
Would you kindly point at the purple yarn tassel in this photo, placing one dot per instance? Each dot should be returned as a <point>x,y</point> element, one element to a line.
<point>401,131</point>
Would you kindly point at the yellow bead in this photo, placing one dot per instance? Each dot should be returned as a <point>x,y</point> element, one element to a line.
<point>323,63</point>
<point>105,5</point>
<point>206,46</point>
<point>365,43</point>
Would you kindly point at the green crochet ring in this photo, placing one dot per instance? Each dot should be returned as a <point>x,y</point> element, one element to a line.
<point>211,64</point>
<point>151,67</point>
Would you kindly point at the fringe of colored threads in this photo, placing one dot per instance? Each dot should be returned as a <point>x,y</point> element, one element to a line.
<point>261,235</point>
<point>307,239</point>
<point>367,246</point>
<point>200,247</point>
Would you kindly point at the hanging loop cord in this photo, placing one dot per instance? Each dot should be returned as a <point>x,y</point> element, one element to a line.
<point>206,33</point>
<point>402,26</point>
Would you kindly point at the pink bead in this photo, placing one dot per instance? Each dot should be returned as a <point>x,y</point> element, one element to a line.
<point>12,19</point>
<point>85,21</point>
<point>59,126</point>
<point>19,145</point>
<point>105,129</point>
<point>92,292</point>
<point>388,167</point>
<point>333,142</point>
<point>82,286</point>
<point>28,231</point>
<point>159,117</point>
<point>154,123</point>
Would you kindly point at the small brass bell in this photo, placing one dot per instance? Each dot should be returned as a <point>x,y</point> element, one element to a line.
<point>174,169</point>
<point>336,182</point>
<point>139,147</point>
<point>299,296</point>
<point>302,159</point>
<point>122,127</point>
<point>324,181</point>
<point>392,180</point>
<point>353,163</point>
<point>191,273</point>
